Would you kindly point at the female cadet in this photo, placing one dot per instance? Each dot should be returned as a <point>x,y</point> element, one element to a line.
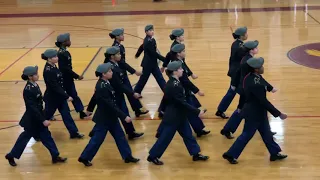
<point>250,49</point>
<point>255,114</point>
<point>113,56</point>
<point>175,118</point>
<point>33,120</point>
<point>239,35</point>
<point>150,62</point>
<point>117,35</point>
<point>65,66</point>
<point>55,96</point>
<point>178,54</point>
<point>106,119</point>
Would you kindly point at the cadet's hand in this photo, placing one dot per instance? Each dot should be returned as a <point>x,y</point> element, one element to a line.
<point>274,90</point>
<point>201,114</point>
<point>200,93</point>
<point>80,77</point>
<point>70,98</point>
<point>46,123</point>
<point>136,95</point>
<point>162,69</point>
<point>233,88</point>
<point>138,73</point>
<point>194,76</point>
<point>128,119</point>
<point>283,116</point>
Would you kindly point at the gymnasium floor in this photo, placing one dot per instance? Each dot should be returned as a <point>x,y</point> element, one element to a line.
<point>288,30</point>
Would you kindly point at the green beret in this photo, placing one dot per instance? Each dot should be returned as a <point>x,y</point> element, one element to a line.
<point>50,53</point>
<point>63,37</point>
<point>103,68</point>
<point>241,31</point>
<point>113,50</point>
<point>255,63</point>
<point>117,32</point>
<point>30,70</point>
<point>251,44</point>
<point>174,65</point>
<point>178,48</point>
<point>148,27</point>
<point>178,32</point>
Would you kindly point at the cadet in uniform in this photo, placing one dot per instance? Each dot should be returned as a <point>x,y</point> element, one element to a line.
<point>106,119</point>
<point>55,96</point>
<point>65,66</point>
<point>239,35</point>
<point>113,55</point>
<point>117,35</point>
<point>178,54</point>
<point>33,120</point>
<point>150,62</point>
<point>175,118</point>
<point>255,114</point>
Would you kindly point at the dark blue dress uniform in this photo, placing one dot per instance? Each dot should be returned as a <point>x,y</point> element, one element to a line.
<point>106,119</point>
<point>135,103</point>
<point>175,119</point>
<point>65,66</point>
<point>32,122</point>
<point>55,96</point>
<point>234,64</point>
<point>255,114</point>
<point>149,63</point>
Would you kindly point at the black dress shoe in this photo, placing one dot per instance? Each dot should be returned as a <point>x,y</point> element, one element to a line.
<point>91,133</point>
<point>83,115</point>
<point>157,135</point>
<point>141,112</point>
<point>278,157</point>
<point>203,133</point>
<point>227,134</point>
<point>59,160</point>
<point>221,114</point>
<point>85,162</point>
<point>230,159</point>
<point>200,157</point>
<point>135,135</point>
<point>77,136</point>
<point>155,161</point>
<point>131,159</point>
<point>10,160</point>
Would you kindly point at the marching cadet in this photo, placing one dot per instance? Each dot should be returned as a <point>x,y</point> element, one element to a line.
<point>65,66</point>
<point>118,36</point>
<point>178,54</point>
<point>150,62</point>
<point>255,114</point>
<point>113,56</point>
<point>240,35</point>
<point>33,120</point>
<point>106,119</point>
<point>55,96</point>
<point>175,118</point>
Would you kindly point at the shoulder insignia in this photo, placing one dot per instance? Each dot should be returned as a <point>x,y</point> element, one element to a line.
<point>103,84</point>
<point>48,68</point>
<point>28,87</point>
<point>256,80</point>
<point>175,83</point>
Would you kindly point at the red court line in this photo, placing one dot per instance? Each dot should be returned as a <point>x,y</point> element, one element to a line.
<point>25,53</point>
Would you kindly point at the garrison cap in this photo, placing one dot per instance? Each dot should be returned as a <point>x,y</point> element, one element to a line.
<point>178,48</point>
<point>103,68</point>
<point>113,50</point>
<point>117,32</point>
<point>241,31</point>
<point>174,65</point>
<point>50,53</point>
<point>30,70</point>
<point>251,44</point>
<point>63,37</point>
<point>148,27</point>
<point>255,63</point>
<point>177,32</point>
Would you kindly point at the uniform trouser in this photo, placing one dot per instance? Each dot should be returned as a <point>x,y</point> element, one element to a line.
<point>250,127</point>
<point>195,122</point>
<point>22,141</point>
<point>167,135</point>
<point>226,100</point>
<point>135,103</point>
<point>155,71</point>
<point>62,105</point>
<point>100,134</point>
<point>71,91</point>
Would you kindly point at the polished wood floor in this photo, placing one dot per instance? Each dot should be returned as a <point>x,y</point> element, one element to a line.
<point>27,28</point>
